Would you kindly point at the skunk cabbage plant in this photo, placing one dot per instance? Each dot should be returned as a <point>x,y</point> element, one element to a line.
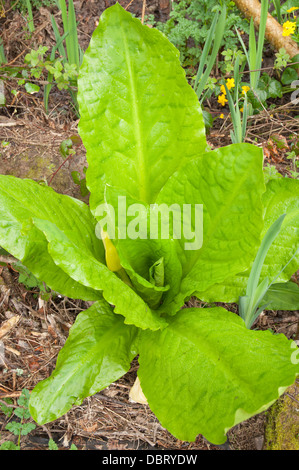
<point>168,218</point>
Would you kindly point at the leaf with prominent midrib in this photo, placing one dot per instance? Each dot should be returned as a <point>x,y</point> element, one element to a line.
<point>206,372</point>
<point>140,119</point>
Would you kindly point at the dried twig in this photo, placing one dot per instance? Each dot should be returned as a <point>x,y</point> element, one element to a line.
<point>293,398</point>
<point>129,4</point>
<point>143,11</point>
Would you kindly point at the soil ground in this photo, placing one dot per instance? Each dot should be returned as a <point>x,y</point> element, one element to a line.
<point>108,420</point>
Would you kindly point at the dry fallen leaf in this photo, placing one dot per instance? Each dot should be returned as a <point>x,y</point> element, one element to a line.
<point>8,325</point>
<point>136,394</point>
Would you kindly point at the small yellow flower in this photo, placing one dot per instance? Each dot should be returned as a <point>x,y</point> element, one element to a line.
<point>230,83</point>
<point>223,90</point>
<point>221,116</point>
<point>245,89</point>
<point>222,100</point>
<point>242,110</point>
<point>292,9</point>
<point>289,28</point>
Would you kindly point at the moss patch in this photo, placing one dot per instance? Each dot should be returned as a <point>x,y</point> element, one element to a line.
<point>282,428</point>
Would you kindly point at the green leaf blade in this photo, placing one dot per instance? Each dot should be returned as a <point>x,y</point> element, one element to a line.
<point>280,197</point>
<point>132,87</point>
<point>283,296</point>
<point>83,267</point>
<point>222,181</point>
<point>99,351</point>
<point>20,201</point>
<point>212,384</point>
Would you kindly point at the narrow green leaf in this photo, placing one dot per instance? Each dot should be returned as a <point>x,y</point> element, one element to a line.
<point>245,117</point>
<point>211,60</point>
<point>74,45</point>
<point>59,39</point>
<point>205,51</point>
<point>256,269</point>
<point>243,46</point>
<point>30,17</point>
<point>252,55</point>
<point>277,10</point>
<point>236,117</point>
<point>261,37</point>
<point>63,8</point>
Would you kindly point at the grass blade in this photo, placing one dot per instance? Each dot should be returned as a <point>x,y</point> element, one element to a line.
<point>72,28</point>
<point>215,50</point>
<point>59,39</point>
<point>62,6</point>
<point>2,53</point>
<point>277,9</point>
<point>261,38</point>
<point>261,255</point>
<point>205,51</point>
<point>252,55</point>
<point>255,292</point>
<point>245,117</point>
<point>30,16</point>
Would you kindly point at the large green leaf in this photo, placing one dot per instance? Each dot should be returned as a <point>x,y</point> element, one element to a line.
<point>206,372</point>
<point>98,351</point>
<point>281,197</point>
<point>222,181</point>
<point>83,267</point>
<point>140,119</point>
<point>20,201</point>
